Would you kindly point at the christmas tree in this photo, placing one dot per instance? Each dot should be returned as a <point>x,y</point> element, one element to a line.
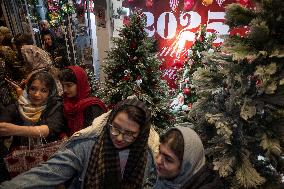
<point>58,10</point>
<point>240,109</point>
<point>92,79</point>
<point>186,92</point>
<point>132,68</point>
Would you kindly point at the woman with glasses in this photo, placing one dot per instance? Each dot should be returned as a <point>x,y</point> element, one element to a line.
<point>115,157</point>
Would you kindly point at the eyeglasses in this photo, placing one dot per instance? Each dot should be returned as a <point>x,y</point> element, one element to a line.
<point>127,136</point>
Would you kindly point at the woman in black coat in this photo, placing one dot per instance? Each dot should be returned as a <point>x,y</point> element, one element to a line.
<point>37,114</point>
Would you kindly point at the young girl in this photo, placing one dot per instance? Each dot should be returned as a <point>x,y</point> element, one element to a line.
<point>38,113</point>
<point>181,162</point>
<point>79,109</point>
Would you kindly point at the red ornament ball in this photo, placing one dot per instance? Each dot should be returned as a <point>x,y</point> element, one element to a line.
<point>188,4</point>
<point>186,91</point>
<point>149,3</point>
<point>133,45</point>
<point>243,2</point>
<point>258,82</point>
<point>126,78</point>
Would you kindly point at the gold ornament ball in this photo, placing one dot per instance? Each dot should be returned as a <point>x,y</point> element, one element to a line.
<point>207,2</point>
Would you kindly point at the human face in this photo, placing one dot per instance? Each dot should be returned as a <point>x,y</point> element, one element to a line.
<point>168,164</point>
<point>38,93</point>
<point>44,26</point>
<point>69,89</point>
<point>123,123</point>
<point>47,40</point>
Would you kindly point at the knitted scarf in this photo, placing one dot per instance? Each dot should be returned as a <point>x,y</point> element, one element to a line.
<point>74,107</point>
<point>28,112</point>
<point>104,167</point>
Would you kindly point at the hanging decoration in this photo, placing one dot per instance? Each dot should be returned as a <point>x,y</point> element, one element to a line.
<point>188,4</point>
<point>187,91</point>
<point>207,2</point>
<point>243,2</point>
<point>174,4</point>
<point>220,2</point>
<point>149,3</point>
<point>126,76</point>
<point>125,20</point>
<point>139,81</point>
<point>57,10</point>
<point>100,17</point>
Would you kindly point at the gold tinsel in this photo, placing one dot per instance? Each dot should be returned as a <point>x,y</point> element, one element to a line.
<point>271,145</point>
<point>248,110</point>
<point>221,125</point>
<point>247,176</point>
<point>224,166</point>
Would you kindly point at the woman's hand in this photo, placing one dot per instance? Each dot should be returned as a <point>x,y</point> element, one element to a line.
<point>8,129</point>
<point>17,87</point>
<point>58,59</point>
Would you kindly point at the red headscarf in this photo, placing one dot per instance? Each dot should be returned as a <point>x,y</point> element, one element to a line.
<point>74,107</point>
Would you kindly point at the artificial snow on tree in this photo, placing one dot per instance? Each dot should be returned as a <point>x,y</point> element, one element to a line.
<point>186,92</point>
<point>240,108</point>
<point>93,81</point>
<point>133,68</point>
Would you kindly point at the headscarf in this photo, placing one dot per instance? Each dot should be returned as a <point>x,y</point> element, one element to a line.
<point>74,107</point>
<point>4,31</point>
<point>104,166</point>
<point>30,113</point>
<point>193,160</point>
<point>38,60</point>
<point>35,57</point>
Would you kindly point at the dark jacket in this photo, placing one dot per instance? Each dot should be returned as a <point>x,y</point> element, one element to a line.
<point>204,179</point>
<point>91,113</point>
<point>52,116</point>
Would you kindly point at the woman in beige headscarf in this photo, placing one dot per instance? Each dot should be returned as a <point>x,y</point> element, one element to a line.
<point>38,60</point>
<point>181,162</point>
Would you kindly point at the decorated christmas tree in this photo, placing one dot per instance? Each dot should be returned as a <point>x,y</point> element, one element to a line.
<point>92,79</point>
<point>186,92</point>
<point>240,108</point>
<point>132,68</point>
<point>58,10</point>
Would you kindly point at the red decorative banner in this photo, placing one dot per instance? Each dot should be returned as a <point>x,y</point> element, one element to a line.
<point>174,23</point>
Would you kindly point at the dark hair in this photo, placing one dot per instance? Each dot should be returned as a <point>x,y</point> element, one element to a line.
<point>53,38</point>
<point>23,38</point>
<point>67,75</point>
<point>7,40</point>
<point>134,113</point>
<point>174,140</point>
<point>45,78</point>
<point>47,33</point>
